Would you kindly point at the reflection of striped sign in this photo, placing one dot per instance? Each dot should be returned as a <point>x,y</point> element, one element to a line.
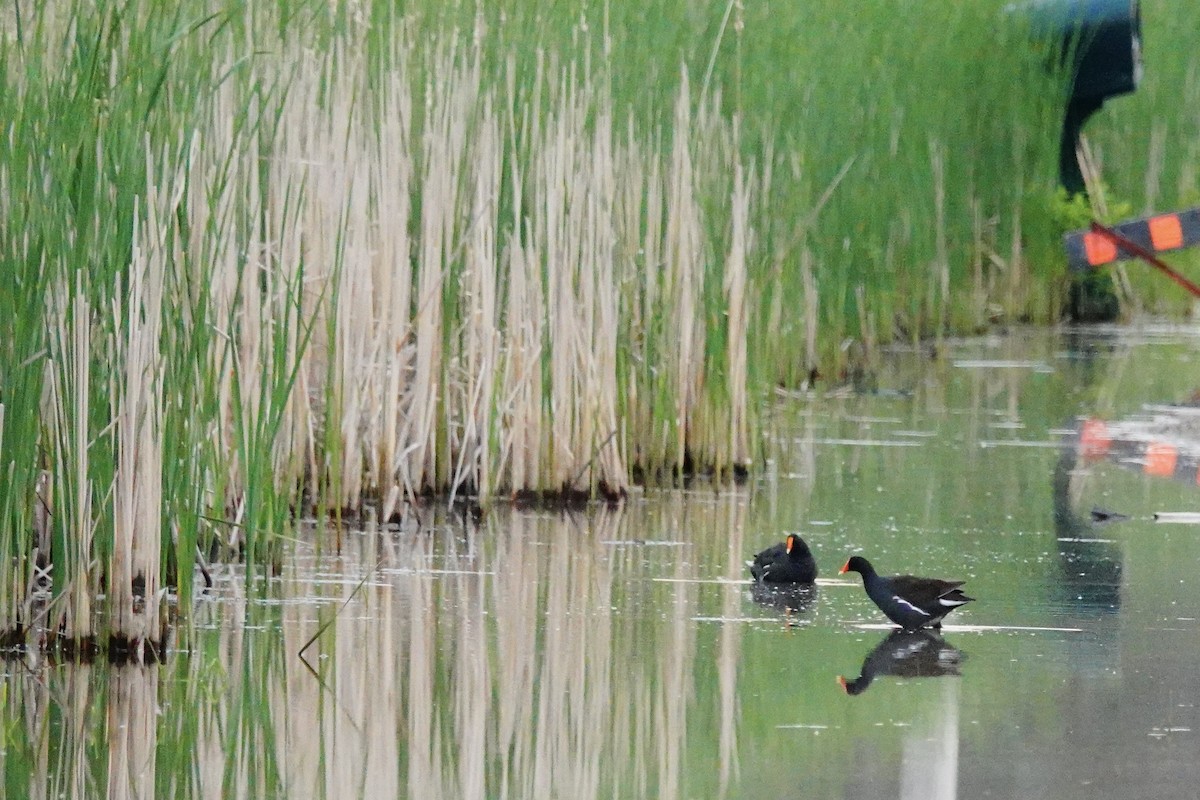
<point>1157,458</point>
<point>1087,249</point>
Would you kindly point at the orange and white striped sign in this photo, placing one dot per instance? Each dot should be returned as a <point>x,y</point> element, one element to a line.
<point>1088,249</point>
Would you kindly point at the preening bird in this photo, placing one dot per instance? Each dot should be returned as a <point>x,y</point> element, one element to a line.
<point>790,561</point>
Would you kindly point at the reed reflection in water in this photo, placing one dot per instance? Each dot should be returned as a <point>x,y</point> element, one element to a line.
<point>541,655</point>
<point>79,730</point>
<point>930,761</point>
<point>132,732</point>
<point>517,676</point>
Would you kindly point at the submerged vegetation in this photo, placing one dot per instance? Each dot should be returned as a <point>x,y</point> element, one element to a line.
<point>308,256</point>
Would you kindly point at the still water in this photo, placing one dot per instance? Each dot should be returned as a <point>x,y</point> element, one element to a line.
<point>622,653</point>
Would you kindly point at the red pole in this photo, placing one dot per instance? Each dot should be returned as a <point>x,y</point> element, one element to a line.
<point>1145,255</point>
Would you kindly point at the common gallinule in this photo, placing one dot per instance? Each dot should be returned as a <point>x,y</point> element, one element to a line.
<point>790,561</point>
<point>909,602</point>
<point>906,654</point>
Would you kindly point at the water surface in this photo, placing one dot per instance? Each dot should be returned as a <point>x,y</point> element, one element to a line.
<point>622,653</point>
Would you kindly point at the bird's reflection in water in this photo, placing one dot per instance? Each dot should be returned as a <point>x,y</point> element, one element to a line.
<point>906,654</point>
<point>787,597</point>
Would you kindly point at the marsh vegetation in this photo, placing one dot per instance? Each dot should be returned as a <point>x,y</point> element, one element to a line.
<point>310,258</point>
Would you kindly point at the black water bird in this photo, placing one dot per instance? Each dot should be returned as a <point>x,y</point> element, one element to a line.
<point>910,602</point>
<point>790,561</point>
<point>906,654</point>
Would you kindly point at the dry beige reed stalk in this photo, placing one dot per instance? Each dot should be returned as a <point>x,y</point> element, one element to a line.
<point>1016,263</point>
<point>393,178</point>
<point>79,622</point>
<point>223,194</point>
<point>684,280</point>
<point>524,334</point>
<point>594,188</point>
<point>812,306</point>
<point>1155,160</point>
<point>866,328</point>
<point>249,247</point>
<point>737,434</point>
<point>69,377</point>
<point>939,300</point>
<point>573,230</point>
<point>287,239</point>
<point>341,202</point>
<point>138,414</point>
<point>1014,290</point>
<point>14,592</point>
<point>251,324</point>
<point>979,294</point>
<point>551,177</point>
<point>211,202</point>
<point>449,101</point>
<point>1186,182</point>
<point>475,397</point>
<point>641,217</point>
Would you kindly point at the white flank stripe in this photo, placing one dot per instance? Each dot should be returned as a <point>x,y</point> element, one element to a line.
<point>904,602</point>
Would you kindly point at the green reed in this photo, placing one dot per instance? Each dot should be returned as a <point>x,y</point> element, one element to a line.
<point>101,101</point>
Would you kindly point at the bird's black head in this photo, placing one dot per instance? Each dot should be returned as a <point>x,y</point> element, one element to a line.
<point>856,564</point>
<point>796,547</point>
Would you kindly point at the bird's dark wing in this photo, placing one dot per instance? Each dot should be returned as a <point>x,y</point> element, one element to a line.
<point>763,560</point>
<point>772,553</point>
<point>923,592</point>
<point>954,597</point>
